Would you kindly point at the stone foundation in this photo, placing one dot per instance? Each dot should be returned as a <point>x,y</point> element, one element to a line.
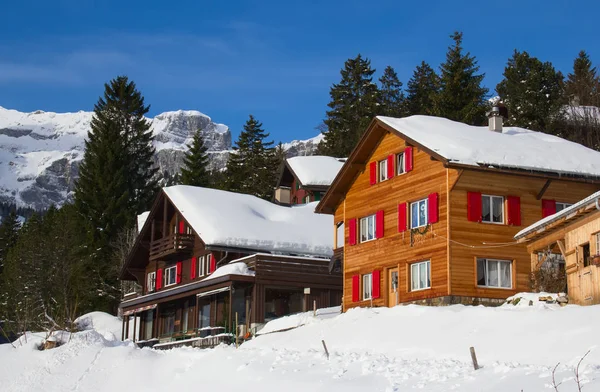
<point>457,300</point>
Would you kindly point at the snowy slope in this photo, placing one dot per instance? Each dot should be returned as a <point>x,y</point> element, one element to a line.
<point>233,219</point>
<point>405,348</point>
<point>40,151</point>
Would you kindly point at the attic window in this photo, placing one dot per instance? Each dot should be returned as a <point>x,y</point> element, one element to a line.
<point>383,174</point>
<point>400,163</point>
<point>561,206</point>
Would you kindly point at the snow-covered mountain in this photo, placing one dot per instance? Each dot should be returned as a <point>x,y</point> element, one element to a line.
<point>40,151</point>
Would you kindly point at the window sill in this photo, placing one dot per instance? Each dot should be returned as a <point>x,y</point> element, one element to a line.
<point>169,285</point>
<point>492,223</point>
<point>415,290</point>
<point>494,288</point>
<point>418,227</point>
<point>365,241</point>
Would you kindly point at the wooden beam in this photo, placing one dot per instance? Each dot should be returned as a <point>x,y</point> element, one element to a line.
<point>544,189</point>
<point>460,172</point>
<point>164,228</point>
<point>561,246</point>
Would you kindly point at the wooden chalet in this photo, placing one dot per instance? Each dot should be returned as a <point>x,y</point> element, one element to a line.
<point>569,240</point>
<point>305,179</point>
<point>203,256</point>
<point>425,209</point>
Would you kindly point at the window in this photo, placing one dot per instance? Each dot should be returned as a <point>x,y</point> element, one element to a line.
<point>383,170</point>
<point>494,273</point>
<point>585,254</point>
<point>340,235</point>
<point>317,196</point>
<point>598,244</point>
<point>400,163</point>
<point>306,199</point>
<point>492,208</point>
<point>420,275</point>
<point>367,286</point>
<point>170,276</point>
<point>561,206</point>
<point>203,265</point>
<point>418,214</point>
<point>367,228</point>
<point>151,282</point>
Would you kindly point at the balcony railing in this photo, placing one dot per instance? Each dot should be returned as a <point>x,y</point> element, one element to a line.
<point>171,246</point>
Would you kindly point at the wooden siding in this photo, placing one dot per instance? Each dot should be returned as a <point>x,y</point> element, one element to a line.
<point>470,240</point>
<point>394,250</point>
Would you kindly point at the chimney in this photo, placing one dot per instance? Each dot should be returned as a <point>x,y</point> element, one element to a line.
<point>495,120</point>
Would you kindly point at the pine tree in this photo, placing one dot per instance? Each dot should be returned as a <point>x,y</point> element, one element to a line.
<point>9,232</point>
<point>251,166</point>
<point>421,90</point>
<point>195,164</point>
<point>462,97</point>
<point>532,91</point>
<point>391,96</point>
<point>583,85</point>
<point>116,177</point>
<point>354,103</point>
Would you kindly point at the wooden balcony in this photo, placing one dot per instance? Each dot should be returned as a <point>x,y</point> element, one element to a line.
<point>172,247</point>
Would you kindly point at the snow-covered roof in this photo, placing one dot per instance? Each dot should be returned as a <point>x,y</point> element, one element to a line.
<point>591,199</point>
<point>237,220</point>
<point>141,220</point>
<point>513,148</point>
<point>315,169</point>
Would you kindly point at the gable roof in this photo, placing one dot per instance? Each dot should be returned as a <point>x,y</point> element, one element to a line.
<point>236,220</point>
<point>513,148</point>
<point>460,145</point>
<point>587,205</point>
<point>315,170</point>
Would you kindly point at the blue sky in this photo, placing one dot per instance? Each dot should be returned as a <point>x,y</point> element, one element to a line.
<point>274,59</point>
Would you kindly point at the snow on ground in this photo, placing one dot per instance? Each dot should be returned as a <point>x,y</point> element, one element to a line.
<point>296,320</point>
<point>400,349</point>
<point>105,324</point>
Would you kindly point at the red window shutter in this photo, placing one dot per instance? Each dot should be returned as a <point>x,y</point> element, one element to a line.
<point>213,263</point>
<point>373,173</point>
<point>178,272</point>
<point>402,217</point>
<point>474,206</point>
<point>408,159</point>
<point>376,284</point>
<point>379,224</point>
<point>181,227</point>
<point>514,210</point>
<point>548,207</point>
<point>390,165</point>
<point>193,268</point>
<point>355,287</point>
<point>159,279</point>
<point>434,208</point>
<point>352,232</point>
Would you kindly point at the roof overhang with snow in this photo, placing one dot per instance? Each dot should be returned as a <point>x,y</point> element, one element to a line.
<point>514,151</point>
<point>551,224</point>
<point>314,172</point>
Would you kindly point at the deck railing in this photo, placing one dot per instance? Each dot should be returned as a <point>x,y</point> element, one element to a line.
<point>171,245</point>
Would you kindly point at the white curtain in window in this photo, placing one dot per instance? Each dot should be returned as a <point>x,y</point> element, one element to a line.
<point>505,278</point>
<point>414,274</point>
<point>492,273</point>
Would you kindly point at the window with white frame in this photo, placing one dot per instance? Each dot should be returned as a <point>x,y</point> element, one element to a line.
<point>492,209</point>
<point>170,277</point>
<point>306,199</point>
<point>383,174</point>
<point>367,228</point>
<point>151,282</point>
<point>420,275</point>
<point>340,235</point>
<point>494,273</point>
<point>367,286</point>
<point>203,265</point>
<point>400,163</point>
<point>418,214</point>
<point>561,206</point>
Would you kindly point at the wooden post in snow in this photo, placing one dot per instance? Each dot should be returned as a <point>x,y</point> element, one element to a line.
<point>474,358</point>
<point>325,347</point>
<point>236,330</point>
<point>315,308</point>
<point>134,326</point>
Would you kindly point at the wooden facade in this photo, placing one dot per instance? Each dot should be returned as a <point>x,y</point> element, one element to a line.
<point>453,243</point>
<point>194,304</point>
<point>571,238</point>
